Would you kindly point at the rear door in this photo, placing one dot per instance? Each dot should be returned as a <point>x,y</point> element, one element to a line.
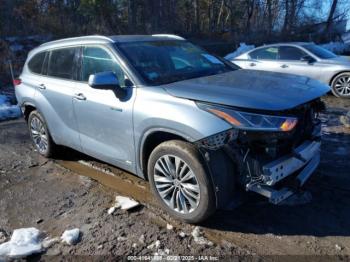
<point>55,92</point>
<point>105,122</point>
<point>263,59</point>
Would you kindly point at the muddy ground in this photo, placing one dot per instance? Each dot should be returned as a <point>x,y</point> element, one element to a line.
<point>58,194</point>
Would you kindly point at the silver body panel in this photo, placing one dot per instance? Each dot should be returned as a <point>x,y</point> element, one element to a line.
<point>99,124</point>
<point>323,70</point>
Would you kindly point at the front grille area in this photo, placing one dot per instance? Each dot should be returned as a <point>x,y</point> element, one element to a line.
<point>269,145</point>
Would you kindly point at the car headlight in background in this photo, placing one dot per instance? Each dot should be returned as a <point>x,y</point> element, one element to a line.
<point>251,121</point>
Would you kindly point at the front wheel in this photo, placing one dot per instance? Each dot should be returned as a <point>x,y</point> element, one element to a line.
<point>180,181</point>
<point>341,85</point>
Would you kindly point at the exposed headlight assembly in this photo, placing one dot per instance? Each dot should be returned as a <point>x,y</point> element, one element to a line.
<point>251,121</point>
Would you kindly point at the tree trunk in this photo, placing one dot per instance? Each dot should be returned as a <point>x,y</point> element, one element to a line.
<point>331,15</point>
<point>269,17</point>
<point>132,16</point>
<point>286,17</point>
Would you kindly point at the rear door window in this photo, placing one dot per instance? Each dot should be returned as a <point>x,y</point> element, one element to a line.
<point>290,53</point>
<point>268,53</point>
<point>62,63</point>
<point>35,65</point>
<point>97,60</point>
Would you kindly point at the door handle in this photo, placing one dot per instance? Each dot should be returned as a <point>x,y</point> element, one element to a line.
<point>252,64</point>
<point>42,86</point>
<point>79,96</point>
<point>284,66</point>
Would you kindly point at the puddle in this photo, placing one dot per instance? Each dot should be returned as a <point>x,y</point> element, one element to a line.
<point>124,183</point>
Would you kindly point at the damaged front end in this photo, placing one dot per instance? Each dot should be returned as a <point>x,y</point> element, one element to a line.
<point>273,155</point>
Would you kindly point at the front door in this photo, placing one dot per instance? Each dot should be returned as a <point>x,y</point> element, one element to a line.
<point>290,61</point>
<point>104,121</point>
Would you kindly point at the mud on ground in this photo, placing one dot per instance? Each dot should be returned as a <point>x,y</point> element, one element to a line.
<point>58,194</point>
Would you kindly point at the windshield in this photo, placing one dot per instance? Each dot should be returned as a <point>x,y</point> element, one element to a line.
<point>320,51</point>
<point>163,62</point>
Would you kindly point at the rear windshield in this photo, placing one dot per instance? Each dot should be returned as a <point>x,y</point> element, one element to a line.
<point>320,51</point>
<point>162,62</point>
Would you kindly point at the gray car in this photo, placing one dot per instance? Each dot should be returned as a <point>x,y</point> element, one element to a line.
<point>194,125</point>
<point>306,59</point>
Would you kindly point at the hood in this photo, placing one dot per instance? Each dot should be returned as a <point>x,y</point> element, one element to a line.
<point>250,89</point>
<point>339,60</point>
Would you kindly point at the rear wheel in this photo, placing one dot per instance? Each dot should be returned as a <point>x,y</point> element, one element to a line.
<point>180,182</point>
<point>341,85</point>
<point>40,134</point>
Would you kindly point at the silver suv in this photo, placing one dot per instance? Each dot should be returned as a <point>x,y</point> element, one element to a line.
<point>197,127</point>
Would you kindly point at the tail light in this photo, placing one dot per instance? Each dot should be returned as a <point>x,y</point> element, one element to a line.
<point>17,82</point>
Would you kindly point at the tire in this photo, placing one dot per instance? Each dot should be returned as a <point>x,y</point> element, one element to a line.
<point>341,85</point>
<point>203,202</point>
<point>40,135</point>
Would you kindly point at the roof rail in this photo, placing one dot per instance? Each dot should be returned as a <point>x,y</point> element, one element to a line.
<point>170,36</point>
<point>76,38</point>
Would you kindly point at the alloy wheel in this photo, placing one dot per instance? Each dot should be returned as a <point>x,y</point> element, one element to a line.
<point>342,85</point>
<point>176,184</point>
<point>39,134</point>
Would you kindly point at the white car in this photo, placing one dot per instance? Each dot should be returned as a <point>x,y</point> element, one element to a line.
<point>306,59</point>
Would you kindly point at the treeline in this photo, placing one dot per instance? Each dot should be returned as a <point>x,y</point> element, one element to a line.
<point>248,20</point>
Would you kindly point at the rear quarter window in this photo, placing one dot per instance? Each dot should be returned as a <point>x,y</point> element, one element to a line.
<point>35,64</point>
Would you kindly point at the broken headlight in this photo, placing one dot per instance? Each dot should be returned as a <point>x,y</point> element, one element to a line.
<point>251,121</point>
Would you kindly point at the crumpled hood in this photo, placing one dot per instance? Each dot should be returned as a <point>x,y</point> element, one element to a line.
<point>251,89</point>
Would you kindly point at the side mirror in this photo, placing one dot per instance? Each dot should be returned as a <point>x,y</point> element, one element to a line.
<point>107,81</point>
<point>308,59</point>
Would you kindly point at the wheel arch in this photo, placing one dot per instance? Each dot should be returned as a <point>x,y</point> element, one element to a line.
<point>27,108</point>
<point>151,140</point>
<point>337,74</point>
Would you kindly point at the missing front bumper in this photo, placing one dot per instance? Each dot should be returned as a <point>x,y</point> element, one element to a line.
<point>306,158</point>
<point>279,169</point>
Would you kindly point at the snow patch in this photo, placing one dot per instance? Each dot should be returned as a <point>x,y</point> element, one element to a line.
<point>240,50</point>
<point>199,238</point>
<point>169,227</point>
<point>336,47</point>
<point>182,234</point>
<point>124,203</point>
<point>155,244</point>
<point>338,248</point>
<point>111,210</point>
<point>23,242</point>
<point>8,111</point>
<point>71,236</point>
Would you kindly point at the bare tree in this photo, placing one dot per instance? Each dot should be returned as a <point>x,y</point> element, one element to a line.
<point>331,15</point>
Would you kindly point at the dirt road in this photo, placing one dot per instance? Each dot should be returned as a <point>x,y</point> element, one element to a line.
<point>55,195</point>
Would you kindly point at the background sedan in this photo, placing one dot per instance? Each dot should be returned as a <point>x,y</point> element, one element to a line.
<point>305,59</point>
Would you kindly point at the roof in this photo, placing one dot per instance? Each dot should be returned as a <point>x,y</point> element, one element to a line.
<point>290,43</point>
<point>110,39</point>
<point>137,38</point>
<point>100,39</point>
